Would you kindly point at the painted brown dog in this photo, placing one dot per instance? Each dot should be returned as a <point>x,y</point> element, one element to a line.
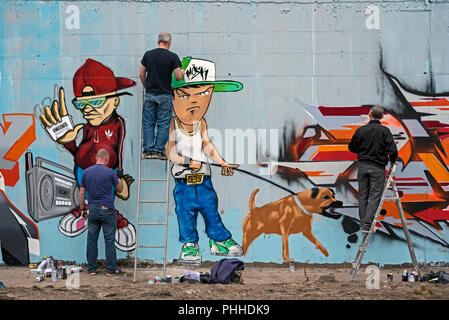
<point>285,217</point>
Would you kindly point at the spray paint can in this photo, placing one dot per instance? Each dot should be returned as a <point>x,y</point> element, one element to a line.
<point>43,264</point>
<point>76,269</point>
<point>416,276</point>
<point>64,273</point>
<point>405,275</point>
<point>292,265</point>
<point>59,272</point>
<point>53,275</point>
<point>49,262</point>
<point>40,278</point>
<point>48,272</point>
<point>389,277</point>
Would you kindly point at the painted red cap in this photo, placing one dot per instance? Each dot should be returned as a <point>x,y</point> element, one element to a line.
<point>99,77</point>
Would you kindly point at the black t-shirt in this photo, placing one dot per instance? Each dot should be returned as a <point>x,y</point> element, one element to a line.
<point>160,64</point>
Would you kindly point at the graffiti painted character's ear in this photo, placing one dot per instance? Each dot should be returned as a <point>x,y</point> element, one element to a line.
<point>315,192</point>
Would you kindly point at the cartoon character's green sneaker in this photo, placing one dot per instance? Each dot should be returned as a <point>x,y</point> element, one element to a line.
<point>225,248</point>
<point>190,254</point>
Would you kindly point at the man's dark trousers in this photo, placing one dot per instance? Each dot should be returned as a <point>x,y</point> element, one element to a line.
<point>371,179</point>
<point>105,219</point>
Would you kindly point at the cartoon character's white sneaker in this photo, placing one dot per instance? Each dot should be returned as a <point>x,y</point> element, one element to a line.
<point>125,238</point>
<point>190,254</point>
<point>225,248</point>
<point>72,225</point>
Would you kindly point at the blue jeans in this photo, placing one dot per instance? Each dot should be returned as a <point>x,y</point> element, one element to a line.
<point>107,220</point>
<point>371,180</point>
<point>157,113</point>
<point>191,199</point>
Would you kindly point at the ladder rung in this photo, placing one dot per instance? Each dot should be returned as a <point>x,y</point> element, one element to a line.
<point>152,223</point>
<point>144,201</point>
<point>153,179</point>
<point>148,246</point>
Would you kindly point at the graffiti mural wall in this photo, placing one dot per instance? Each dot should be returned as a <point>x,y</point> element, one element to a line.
<point>270,100</point>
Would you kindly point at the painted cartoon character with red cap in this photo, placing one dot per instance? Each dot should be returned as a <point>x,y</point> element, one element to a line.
<point>96,96</point>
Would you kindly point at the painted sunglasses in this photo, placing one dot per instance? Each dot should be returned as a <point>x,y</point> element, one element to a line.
<point>95,102</point>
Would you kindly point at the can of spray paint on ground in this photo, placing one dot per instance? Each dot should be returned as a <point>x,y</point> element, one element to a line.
<point>59,272</point>
<point>53,275</point>
<point>76,269</point>
<point>389,277</point>
<point>292,265</point>
<point>416,276</point>
<point>40,278</point>
<point>49,262</point>
<point>405,275</point>
<point>47,272</point>
<point>43,264</point>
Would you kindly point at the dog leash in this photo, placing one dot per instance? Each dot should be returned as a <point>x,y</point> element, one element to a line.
<point>295,198</point>
<point>258,177</point>
<point>245,172</point>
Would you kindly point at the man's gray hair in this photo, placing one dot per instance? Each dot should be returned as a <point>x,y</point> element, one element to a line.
<point>377,112</point>
<point>102,154</point>
<point>164,36</point>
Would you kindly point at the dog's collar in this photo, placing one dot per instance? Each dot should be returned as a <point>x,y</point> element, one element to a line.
<point>299,204</point>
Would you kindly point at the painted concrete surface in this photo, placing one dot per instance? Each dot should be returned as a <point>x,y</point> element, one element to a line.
<point>292,58</point>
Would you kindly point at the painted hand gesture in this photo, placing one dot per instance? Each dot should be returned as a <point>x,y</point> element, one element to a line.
<point>228,169</point>
<point>58,123</point>
<point>127,180</point>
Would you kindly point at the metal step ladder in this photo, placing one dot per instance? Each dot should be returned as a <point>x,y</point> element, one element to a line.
<point>389,183</point>
<point>147,225</point>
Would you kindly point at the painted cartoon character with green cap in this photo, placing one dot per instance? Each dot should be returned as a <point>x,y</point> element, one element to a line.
<point>191,150</point>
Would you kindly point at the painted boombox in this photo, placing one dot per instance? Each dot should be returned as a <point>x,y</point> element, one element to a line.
<point>50,193</point>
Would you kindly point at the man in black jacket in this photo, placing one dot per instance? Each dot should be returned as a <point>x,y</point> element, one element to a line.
<point>374,145</point>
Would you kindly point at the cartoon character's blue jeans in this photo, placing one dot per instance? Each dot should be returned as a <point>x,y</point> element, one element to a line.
<point>191,199</point>
<point>156,114</point>
<point>105,219</point>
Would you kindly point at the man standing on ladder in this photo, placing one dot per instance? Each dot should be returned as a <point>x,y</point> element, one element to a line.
<point>374,145</point>
<point>155,74</point>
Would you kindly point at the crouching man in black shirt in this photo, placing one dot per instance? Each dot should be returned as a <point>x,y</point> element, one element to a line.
<point>374,145</point>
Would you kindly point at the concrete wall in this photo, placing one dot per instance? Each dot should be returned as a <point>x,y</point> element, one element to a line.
<point>291,58</point>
